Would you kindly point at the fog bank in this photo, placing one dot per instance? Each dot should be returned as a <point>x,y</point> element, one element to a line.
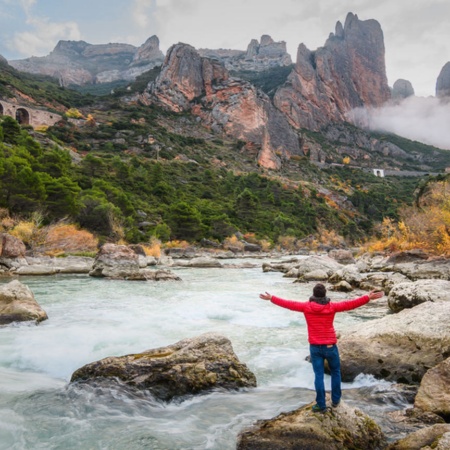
<point>423,119</point>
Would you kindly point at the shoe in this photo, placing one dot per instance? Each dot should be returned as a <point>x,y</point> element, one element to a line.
<point>317,409</point>
<point>335,405</point>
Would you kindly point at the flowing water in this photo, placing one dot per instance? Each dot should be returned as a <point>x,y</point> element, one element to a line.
<point>90,319</point>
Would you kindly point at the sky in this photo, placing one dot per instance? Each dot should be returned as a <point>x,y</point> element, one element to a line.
<point>416,38</point>
<point>416,32</point>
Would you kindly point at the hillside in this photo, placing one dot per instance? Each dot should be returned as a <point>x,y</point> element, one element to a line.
<point>133,171</point>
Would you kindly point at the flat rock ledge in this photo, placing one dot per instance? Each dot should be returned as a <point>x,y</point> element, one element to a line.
<point>398,347</point>
<point>436,437</point>
<point>341,428</point>
<point>17,304</point>
<point>191,366</point>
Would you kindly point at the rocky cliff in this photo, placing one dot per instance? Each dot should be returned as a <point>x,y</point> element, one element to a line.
<point>348,72</point>
<point>443,82</point>
<point>79,63</point>
<point>402,89</point>
<point>259,56</point>
<point>190,82</point>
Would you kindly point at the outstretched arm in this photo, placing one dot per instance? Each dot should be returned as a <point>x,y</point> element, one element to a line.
<point>357,302</point>
<point>288,304</point>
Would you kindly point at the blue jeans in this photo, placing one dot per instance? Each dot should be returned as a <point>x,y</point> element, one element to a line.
<point>320,353</point>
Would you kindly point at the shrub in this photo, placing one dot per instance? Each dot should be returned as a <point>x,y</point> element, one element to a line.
<point>68,238</point>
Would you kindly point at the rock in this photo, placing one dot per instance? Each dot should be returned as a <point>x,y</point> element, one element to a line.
<point>399,347</point>
<point>402,89</point>
<point>342,286</point>
<point>36,270</point>
<point>429,269</point>
<point>17,304</point>
<point>347,72</point>
<point>409,294</point>
<point>315,275</point>
<point>115,261</point>
<point>11,247</point>
<point>343,428</point>
<point>154,275</point>
<point>443,82</point>
<point>252,247</point>
<point>190,366</point>
<point>407,256</point>
<point>189,82</point>
<point>204,262</point>
<point>301,267</point>
<point>342,256</point>
<point>436,437</point>
<point>434,391</point>
<point>349,273</point>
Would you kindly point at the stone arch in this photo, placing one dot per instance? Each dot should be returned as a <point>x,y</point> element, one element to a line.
<point>23,116</point>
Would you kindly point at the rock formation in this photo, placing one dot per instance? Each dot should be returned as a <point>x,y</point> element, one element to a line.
<point>190,366</point>
<point>259,56</point>
<point>407,295</point>
<point>343,428</point>
<point>189,82</point>
<point>443,82</point>
<point>399,347</point>
<point>434,391</point>
<point>402,89</point>
<point>17,304</point>
<point>436,437</point>
<point>348,72</point>
<point>77,62</point>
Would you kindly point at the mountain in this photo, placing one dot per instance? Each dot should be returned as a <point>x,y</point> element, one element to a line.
<point>260,56</point>
<point>443,82</point>
<point>80,63</point>
<point>202,86</point>
<point>347,72</point>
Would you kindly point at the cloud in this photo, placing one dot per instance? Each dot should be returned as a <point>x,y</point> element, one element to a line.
<point>422,119</point>
<point>41,34</point>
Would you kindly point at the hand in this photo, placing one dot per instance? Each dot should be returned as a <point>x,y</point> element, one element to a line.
<point>373,295</point>
<point>265,296</point>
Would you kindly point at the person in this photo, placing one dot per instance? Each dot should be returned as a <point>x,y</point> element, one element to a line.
<point>319,313</point>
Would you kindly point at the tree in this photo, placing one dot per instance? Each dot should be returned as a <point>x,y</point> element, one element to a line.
<point>184,221</point>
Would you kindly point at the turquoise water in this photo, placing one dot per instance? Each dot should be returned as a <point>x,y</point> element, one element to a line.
<point>90,319</point>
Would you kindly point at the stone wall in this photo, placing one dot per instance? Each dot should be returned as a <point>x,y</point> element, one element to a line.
<point>28,116</point>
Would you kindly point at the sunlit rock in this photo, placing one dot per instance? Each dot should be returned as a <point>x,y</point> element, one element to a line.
<point>190,366</point>
<point>17,304</point>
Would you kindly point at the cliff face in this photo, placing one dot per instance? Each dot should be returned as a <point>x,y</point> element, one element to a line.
<point>77,62</point>
<point>259,56</point>
<point>443,82</point>
<point>348,72</point>
<point>190,82</point>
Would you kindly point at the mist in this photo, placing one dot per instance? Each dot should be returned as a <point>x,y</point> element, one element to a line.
<point>422,119</point>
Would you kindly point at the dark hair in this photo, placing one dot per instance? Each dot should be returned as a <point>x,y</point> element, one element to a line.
<point>319,290</point>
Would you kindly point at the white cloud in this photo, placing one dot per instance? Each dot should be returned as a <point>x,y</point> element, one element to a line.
<point>422,119</point>
<point>42,34</point>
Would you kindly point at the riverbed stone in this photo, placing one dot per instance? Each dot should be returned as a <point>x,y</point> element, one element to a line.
<point>17,304</point>
<point>342,428</point>
<point>398,347</point>
<point>409,294</point>
<point>436,437</point>
<point>115,261</point>
<point>11,247</point>
<point>154,275</point>
<point>434,391</point>
<point>190,366</point>
<point>342,256</point>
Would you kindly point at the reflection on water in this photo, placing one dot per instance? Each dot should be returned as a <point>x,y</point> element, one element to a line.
<point>90,319</point>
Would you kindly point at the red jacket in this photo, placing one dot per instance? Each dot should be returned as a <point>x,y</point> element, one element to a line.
<point>319,318</point>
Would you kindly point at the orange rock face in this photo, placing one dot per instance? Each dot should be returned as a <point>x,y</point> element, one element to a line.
<point>189,82</point>
<point>348,72</point>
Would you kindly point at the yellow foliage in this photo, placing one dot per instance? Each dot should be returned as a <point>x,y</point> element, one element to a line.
<point>74,113</point>
<point>68,238</point>
<point>287,243</point>
<point>176,244</point>
<point>346,160</point>
<point>233,242</point>
<point>41,128</point>
<point>25,231</point>
<point>153,248</point>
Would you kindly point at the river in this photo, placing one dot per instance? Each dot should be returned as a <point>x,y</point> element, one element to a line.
<point>91,318</point>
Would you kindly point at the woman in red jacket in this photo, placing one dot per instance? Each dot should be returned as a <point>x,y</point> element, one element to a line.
<point>319,314</point>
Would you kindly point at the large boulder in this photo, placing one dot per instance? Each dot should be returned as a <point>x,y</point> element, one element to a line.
<point>17,304</point>
<point>399,347</point>
<point>344,428</point>
<point>409,294</point>
<point>434,390</point>
<point>11,247</point>
<point>115,261</point>
<point>436,437</point>
<point>190,366</point>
